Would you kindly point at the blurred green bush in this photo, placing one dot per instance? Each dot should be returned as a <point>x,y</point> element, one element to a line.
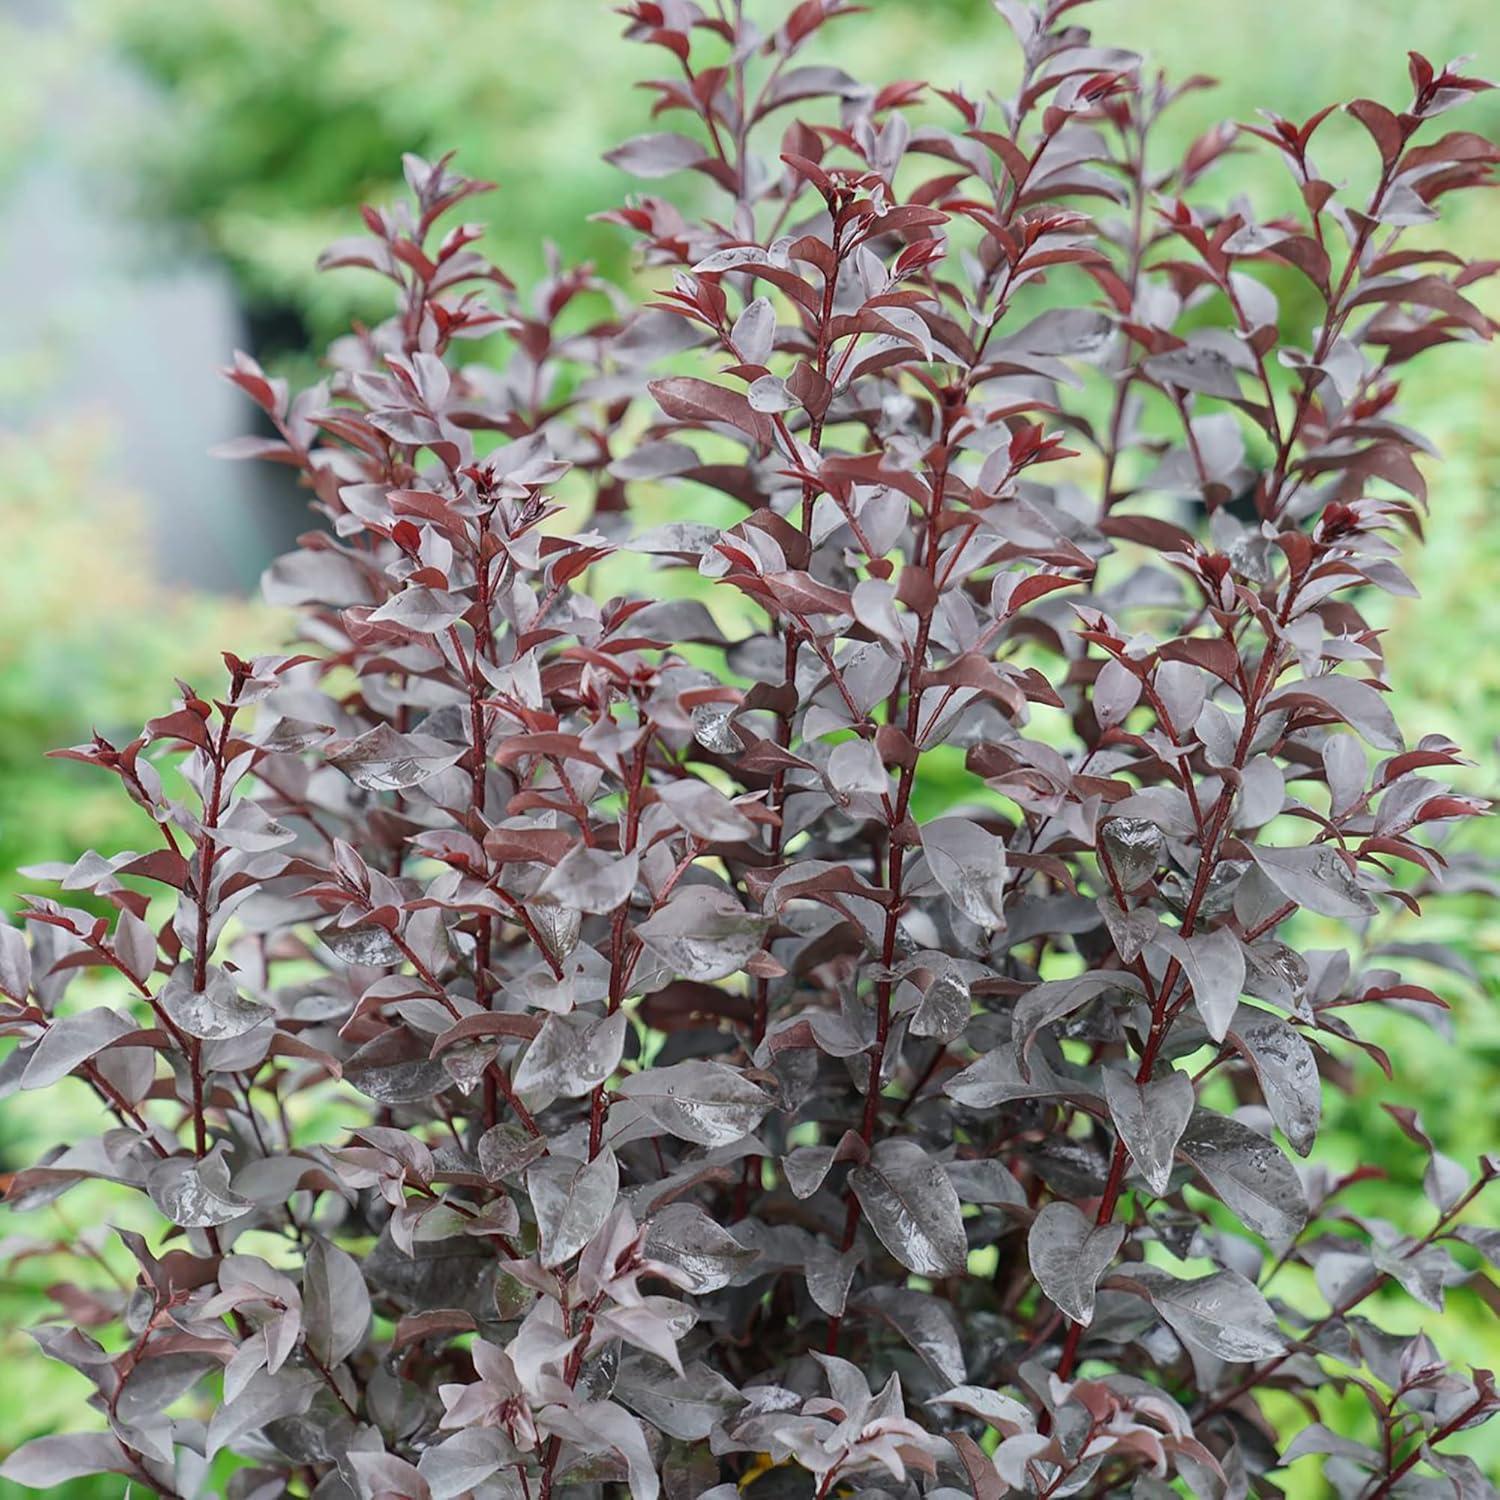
<point>88,640</point>
<point>280,116</point>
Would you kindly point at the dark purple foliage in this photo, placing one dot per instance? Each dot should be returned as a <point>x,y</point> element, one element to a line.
<point>576,1048</point>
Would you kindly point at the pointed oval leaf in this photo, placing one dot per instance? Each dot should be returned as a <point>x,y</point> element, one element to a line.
<point>913,1207</point>
<point>383,760</point>
<point>1150,1119</point>
<point>1316,877</point>
<point>1068,1254</point>
<point>706,1102</point>
<point>703,933</point>
<point>265,1398</point>
<point>572,1055</point>
<point>969,864</point>
<point>335,1303</point>
<point>571,1199</point>
<point>1133,848</point>
<point>590,880</point>
<point>45,1463</point>
<point>1287,1070</point>
<point>1215,966</point>
<point>682,1235</point>
<point>1223,1313</point>
<point>945,1009</point>
<point>195,1194</point>
<point>215,1013</point>
<point>1248,1172</point>
<point>72,1040</point>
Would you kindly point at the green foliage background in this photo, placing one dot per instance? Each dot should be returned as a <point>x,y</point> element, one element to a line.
<point>273,119</point>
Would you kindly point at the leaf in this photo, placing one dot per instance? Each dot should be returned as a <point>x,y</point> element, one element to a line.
<point>1360,706</point>
<point>806,1168</point>
<point>591,880</point>
<point>1385,129</point>
<point>829,1276</point>
<point>422,610</point>
<point>214,1014</point>
<point>926,1323</point>
<point>601,1426</point>
<point>945,1009</point>
<point>47,1462</point>
<point>671,538</point>
<point>687,1406</point>
<point>1196,368</point>
<point>855,767</point>
<point>318,577</point>
<point>1068,1254</point>
<point>154,1384</point>
<point>266,1398</point>
<point>703,933</point>
<point>1248,1172</point>
<point>382,760</point>
<point>1133,848</point>
<point>1286,1070</point>
<point>808,83</point>
<point>367,944</point>
<point>379,1475</point>
<point>657,155</point>
<point>1063,332</point>
<point>704,810</point>
<point>1222,1313</point>
<point>1051,1001</point>
<point>913,1207</point>
<point>683,1236</point>
<point>1215,966</point>
<point>396,1068</point>
<point>571,1199</point>
<point>1004,1413</point>
<point>15,963</point>
<point>1150,1119</point>
<point>464,1461</point>
<point>195,1194</point>
<point>571,1055</point>
<point>507,1149</point>
<point>996,1078</point>
<point>1117,690</point>
<point>754,331</point>
<point>1316,1438</point>
<point>969,864</point>
<point>1129,931</point>
<point>335,1303</point>
<point>700,402</point>
<point>1315,876</point>
<point>985,1180</point>
<point>71,1040</point>
<point>705,1102</point>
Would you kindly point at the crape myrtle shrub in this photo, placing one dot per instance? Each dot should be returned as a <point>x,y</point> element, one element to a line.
<point>564,1052</point>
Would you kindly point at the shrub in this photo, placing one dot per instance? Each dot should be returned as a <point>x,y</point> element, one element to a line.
<point>574,1048</point>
